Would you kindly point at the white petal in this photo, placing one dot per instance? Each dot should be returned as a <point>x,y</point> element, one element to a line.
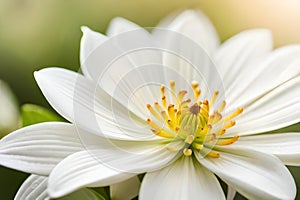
<point>196,26</point>
<point>187,44</point>
<point>184,61</point>
<point>134,80</point>
<point>108,163</point>
<point>254,174</point>
<point>185,179</point>
<point>119,55</point>
<point>125,190</point>
<point>84,103</point>
<point>81,170</point>
<point>34,187</point>
<point>277,68</point>
<point>286,146</point>
<point>139,157</point>
<point>276,109</point>
<point>89,42</point>
<point>38,148</point>
<point>235,58</point>
<point>119,25</point>
<point>121,67</point>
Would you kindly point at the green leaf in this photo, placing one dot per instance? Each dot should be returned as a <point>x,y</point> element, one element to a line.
<point>33,114</point>
<point>103,191</point>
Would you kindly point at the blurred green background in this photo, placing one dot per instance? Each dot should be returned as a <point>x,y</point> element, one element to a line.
<point>35,34</point>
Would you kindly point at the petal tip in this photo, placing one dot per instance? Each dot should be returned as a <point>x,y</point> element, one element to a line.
<point>85,29</point>
<point>260,33</point>
<point>53,193</point>
<point>116,20</point>
<point>37,75</point>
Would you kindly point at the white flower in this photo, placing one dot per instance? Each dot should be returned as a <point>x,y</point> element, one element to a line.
<point>132,112</point>
<point>9,115</point>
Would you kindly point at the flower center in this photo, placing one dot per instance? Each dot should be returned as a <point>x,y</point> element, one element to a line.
<point>192,126</point>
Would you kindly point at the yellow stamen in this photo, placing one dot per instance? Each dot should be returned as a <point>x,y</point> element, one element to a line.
<point>195,84</point>
<point>171,149</point>
<point>172,85</point>
<point>189,139</point>
<point>208,152</point>
<point>178,117</point>
<point>213,98</point>
<point>191,124</point>
<point>162,90</point>
<point>204,109</point>
<point>157,130</point>
<point>181,94</point>
<point>202,131</point>
<point>228,141</point>
<point>187,152</point>
<point>162,133</point>
<point>197,93</point>
<point>221,132</point>
<point>210,138</point>
<point>184,104</point>
<point>157,107</point>
<point>196,90</point>
<point>173,90</point>
<point>204,113</point>
<point>222,106</point>
<point>171,112</point>
<point>171,124</point>
<point>153,124</point>
<point>153,112</point>
<point>214,118</point>
<point>164,115</point>
<point>229,125</point>
<point>164,101</point>
<point>233,115</point>
<point>173,146</point>
<point>213,154</point>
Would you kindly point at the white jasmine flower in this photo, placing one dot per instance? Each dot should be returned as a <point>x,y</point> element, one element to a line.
<point>156,103</point>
